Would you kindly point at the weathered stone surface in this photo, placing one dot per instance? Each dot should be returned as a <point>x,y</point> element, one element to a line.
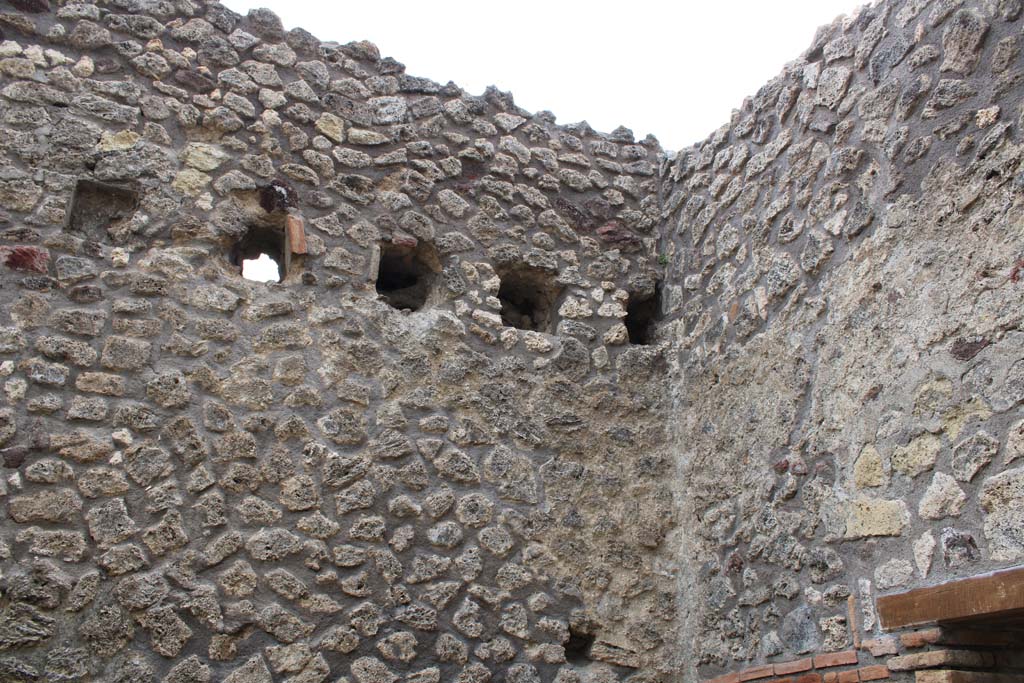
<point>121,353</point>
<point>868,470</point>
<point>942,498</point>
<point>972,454</point>
<point>962,40</point>
<point>110,523</point>
<point>868,517</point>
<point>59,505</point>
<point>1002,499</point>
<point>520,382</point>
<point>918,456</point>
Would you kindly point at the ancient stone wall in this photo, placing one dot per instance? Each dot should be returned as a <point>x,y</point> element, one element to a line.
<point>430,453</point>
<point>846,314</point>
<point>529,402</point>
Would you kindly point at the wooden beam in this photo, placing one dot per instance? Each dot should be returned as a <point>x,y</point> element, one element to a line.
<point>980,598</point>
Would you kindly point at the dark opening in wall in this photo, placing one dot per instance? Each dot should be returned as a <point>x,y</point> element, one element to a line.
<point>642,312</point>
<point>96,206</point>
<point>407,274</point>
<point>577,649</point>
<point>528,299</point>
<point>262,255</point>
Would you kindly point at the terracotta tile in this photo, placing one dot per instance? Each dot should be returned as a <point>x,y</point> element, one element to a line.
<point>835,659</point>
<point>920,638</point>
<point>850,676</point>
<point>886,645</point>
<point>808,678</point>
<point>756,672</point>
<point>874,673</point>
<point>934,658</point>
<point>732,677</point>
<point>793,667</point>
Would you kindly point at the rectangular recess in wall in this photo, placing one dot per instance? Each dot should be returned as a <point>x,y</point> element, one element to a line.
<point>95,206</point>
<point>995,597</point>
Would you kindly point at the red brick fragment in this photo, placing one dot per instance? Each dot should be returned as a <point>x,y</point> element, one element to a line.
<point>934,658</point>
<point>732,677</point>
<point>920,638</point>
<point>835,659</point>
<point>874,673</point>
<point>31,259</point>
<point>850,676</point>
<point>296,232</point>
<point>832,677</point>
<point>763,671</point>
<point>783,668</point>
<point>808,678</point>
<point>404,240</point>
<point>886,645</point>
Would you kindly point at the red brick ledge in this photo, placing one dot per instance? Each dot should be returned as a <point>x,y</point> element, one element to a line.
<point>805,666</point>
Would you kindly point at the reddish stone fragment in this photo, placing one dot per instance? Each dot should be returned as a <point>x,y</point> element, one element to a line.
<point>793,667</point>
<point>756,672</point>
<point>874,673</point>
<point>835,659</point>
<point>31,259</point>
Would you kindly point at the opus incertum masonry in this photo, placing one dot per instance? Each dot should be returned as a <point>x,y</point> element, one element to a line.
<point>526,402</point>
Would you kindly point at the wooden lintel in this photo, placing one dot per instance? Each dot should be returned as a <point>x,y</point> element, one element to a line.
<point>982,597</point>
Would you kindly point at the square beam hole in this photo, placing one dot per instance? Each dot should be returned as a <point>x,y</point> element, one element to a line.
<point>407,274</point>
<point>528,299</point>
<point>577,648</point>
<point>96,206</point>
<point>642,313</point>
<point>262,254</point>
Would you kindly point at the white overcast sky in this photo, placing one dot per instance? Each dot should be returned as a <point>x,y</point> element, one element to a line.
<point>675,69</point>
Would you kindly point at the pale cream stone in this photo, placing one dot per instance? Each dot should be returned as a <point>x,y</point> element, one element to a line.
<point>923,549</point>
<point>359,136</point>
<point>868,470</point>
<point>190,181</point>
<point>953,421</point>
<point>55,57</point>
<point>1014,447</point>
<point>487,318</point>
<point>117,142</point>
<point>611,310</point>
<point>10,48</point>
<point>986,117</point>
<point>537,342</point>
<point>35,53</point>
<point>509,337</point>
<point>943,498</point>
<point>15,389</point>
<point>875,517</point>
<point>203,156</point>
<point>918,456</point>
<point>120,257</point>
<point>332,126</point>
<point>575,308</point>
<point>616,335</point>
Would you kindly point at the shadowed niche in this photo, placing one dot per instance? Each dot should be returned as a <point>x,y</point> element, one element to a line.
<point>528,299</point>
<point>577,649</point>
<point>260,241</point>
<point>96,206</point>
<point>407,274</point>
<point>642,313</point>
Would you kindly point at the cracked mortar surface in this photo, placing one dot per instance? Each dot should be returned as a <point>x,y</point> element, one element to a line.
<point>211,479</point>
